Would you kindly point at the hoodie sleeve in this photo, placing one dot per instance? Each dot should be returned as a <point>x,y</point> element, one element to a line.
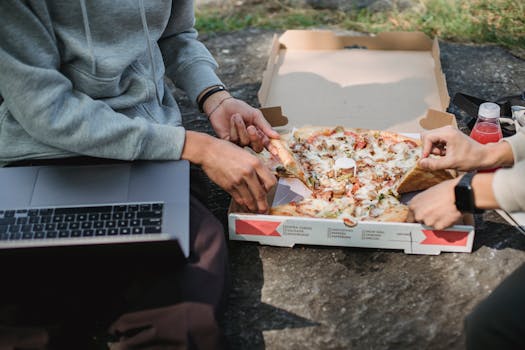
<point>188,62</point>
<point>45,103</point>
<point>508,183</point>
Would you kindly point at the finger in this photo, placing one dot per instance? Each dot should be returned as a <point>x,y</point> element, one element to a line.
<point>410,216</point>
<point>244,139</point>
<point>258,193</point>
<point>237,197</point>
<point>431,141</point>
<point>234,137</point>
<point>263,137</point>
<point>433,163</point>
<point>262,124</point>
<point>255,138</point>
<point>247,198</point>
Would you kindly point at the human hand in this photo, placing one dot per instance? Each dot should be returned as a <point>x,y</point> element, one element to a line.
<point>455,150</point>
<point>436,206</point>
<point>236,121</point>
<point>238,172</point>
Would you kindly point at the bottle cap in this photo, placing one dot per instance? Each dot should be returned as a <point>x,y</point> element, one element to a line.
<point>489,110</point>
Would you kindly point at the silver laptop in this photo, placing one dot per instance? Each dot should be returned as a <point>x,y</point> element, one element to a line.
<point>104,205</point>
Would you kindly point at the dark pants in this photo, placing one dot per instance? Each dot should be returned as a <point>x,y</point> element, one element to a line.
<point>498,322</point>
<point>138,305</point>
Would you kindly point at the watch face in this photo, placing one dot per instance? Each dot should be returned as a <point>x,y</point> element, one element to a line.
<point>464,196</point>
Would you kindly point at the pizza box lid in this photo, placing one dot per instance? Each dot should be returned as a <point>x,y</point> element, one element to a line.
<point>391,81</point>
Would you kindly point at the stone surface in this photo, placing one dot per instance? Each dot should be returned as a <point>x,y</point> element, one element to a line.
<point>310,297</point>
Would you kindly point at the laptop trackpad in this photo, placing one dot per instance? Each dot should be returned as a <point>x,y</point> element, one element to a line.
<point>81,185</point>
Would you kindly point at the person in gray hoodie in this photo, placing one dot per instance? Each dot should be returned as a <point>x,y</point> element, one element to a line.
<point>86,79</point>
<point>498,322</point>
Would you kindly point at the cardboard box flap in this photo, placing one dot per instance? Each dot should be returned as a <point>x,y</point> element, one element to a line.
<point>316,80</point>
<point>327,40</point>
<point>274,116</point>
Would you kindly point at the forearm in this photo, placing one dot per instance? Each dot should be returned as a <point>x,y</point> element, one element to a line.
<point>484,197</point>
<point>188,62</point>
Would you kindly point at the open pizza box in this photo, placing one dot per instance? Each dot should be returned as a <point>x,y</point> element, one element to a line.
<point>391,81</point>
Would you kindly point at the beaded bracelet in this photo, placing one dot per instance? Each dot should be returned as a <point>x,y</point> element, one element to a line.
<point>218,105</point>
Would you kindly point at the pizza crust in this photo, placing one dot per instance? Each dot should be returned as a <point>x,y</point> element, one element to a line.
<point>397,213</point>
<point>418,179</point>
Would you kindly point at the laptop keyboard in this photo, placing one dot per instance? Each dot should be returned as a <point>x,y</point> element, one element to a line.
<point>92,221</point>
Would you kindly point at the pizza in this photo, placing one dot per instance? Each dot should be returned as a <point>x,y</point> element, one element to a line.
<point>354,174</point>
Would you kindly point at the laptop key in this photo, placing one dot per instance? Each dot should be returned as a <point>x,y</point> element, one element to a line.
<point>86,225</point>
<point>124,231</point>
<point>151,222</point>
<point>76,233</point>
<point>40,235</point>
<point>51,234</point>
<point>15,236</point>
<point>112,232</point>
<point>63,234</point>
<point>87,233</point>
<point>26,228</point>
<point>9,214</point>
<point>21,221</point>
<point>4,237</point>
<point>121,208</point>
<point>153,229</point>
<point>7,221</point>
<point>149,214</point>
<point>156,206</point>
<point>14,228</point>
<point>45,219</point>
<point>137,230</point>
<point>98,224</point>
<point>100,232</point>
<point>3,229</point>
<point>74,226</point>
<point>27,235</point>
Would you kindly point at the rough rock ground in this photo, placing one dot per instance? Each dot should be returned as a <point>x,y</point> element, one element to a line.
<point>310,297</point>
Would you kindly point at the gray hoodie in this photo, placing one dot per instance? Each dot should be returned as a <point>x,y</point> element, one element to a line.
<point>86,77</point>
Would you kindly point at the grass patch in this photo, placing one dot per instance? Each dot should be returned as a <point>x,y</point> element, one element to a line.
<point>479,21</point>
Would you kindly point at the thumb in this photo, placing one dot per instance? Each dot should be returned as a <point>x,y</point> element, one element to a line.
<point>431,164</point>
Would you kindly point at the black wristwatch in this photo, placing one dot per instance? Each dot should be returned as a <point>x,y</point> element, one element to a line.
<point>465,195</point>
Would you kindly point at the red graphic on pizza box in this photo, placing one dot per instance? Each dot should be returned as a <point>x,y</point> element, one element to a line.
<point>444,237</point>
<point>257,227</point>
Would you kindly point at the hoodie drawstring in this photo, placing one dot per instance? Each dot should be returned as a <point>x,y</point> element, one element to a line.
<point>150,50</point>
<point>87,31</point>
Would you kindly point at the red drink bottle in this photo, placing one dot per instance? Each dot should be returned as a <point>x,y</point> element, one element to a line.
<point>487,128</point>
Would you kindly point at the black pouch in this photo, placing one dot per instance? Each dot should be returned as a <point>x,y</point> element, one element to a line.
<point>509,105</point>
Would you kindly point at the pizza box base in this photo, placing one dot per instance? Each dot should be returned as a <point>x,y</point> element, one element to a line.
<point>391,81</point>
<point>288,231</point>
